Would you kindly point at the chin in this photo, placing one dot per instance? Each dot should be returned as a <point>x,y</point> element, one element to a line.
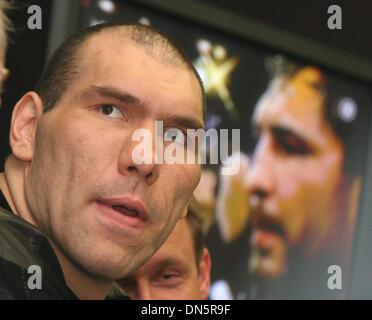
<point>106,263</point>
<point>109,271</point>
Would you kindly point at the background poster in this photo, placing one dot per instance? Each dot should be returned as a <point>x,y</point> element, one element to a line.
<point>286,222</point>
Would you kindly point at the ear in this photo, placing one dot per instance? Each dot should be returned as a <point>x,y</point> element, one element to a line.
<point>204,274</point>
<point>25,117</point>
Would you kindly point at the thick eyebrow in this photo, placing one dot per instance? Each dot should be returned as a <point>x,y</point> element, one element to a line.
<point>127,98</point>
<point>170,262</point>
<point>112,92</point>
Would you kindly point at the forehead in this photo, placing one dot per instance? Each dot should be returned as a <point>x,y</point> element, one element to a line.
<point>180,236</point>
<point>293,105</point>
<point>109,59</point>
<point>178,249</point>
<point>179,245</point>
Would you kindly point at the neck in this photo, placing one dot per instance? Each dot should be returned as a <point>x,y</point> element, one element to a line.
<point>12,185</point>
<point>85,285</point>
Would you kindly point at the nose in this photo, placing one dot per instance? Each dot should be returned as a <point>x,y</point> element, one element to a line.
<point>144,291</point>
<point>137,156</point>
<point>260,179</point>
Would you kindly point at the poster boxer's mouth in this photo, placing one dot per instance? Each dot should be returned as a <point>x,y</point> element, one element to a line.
<point>261,221</point>
<point>269,245</point>
<point>269,254</point>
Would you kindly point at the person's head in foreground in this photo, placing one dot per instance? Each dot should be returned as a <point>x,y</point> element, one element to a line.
<point>72,172</point>
<point>301,198</point>
<point>180,269</point>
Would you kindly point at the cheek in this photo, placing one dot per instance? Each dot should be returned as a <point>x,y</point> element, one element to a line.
<point>306,189</point>
<point>188,290</point>
<point>192,288</point>
<point>297,211</point>
<point>191,176</point>
<point>89,149</point>
<point>184,179</point>
<point>68,159</point>
<point>321,173</point>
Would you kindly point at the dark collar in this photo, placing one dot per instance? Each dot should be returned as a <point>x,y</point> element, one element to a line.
<point>3,203</point>
<point>35,249</point>
<point>49,256</point>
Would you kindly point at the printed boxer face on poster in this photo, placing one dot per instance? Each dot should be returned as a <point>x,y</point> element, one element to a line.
<point>295,173</point>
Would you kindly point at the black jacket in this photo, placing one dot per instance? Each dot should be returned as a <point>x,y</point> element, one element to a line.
<point>23,245</point>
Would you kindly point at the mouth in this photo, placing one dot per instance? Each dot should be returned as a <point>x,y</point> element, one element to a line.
<point>269,254</point>
<point>268,223</point>
<point>264,240</point>
<point>124,211</point>
<point>271,228</point>
<point>269,247</point>
<point>265,234</point>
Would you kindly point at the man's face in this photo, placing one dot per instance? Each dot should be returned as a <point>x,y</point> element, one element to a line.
<point>295,172</point>
<point>103,211</point>
<point>171,274</point>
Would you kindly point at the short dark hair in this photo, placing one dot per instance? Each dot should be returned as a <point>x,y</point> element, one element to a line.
<point>334,89</point>
<point>63,67</point>
<point>197,226</point>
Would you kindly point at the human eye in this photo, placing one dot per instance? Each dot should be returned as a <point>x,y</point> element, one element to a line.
<point>175,135</point>
<point>111,111</point>
<point>290,143</point>
<point>169,278</point>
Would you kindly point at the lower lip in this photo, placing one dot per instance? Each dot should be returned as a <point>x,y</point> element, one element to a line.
<point>265,239</point>
<point>120,219</point>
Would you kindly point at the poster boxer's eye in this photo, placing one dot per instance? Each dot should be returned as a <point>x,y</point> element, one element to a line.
<point>291,143</point>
